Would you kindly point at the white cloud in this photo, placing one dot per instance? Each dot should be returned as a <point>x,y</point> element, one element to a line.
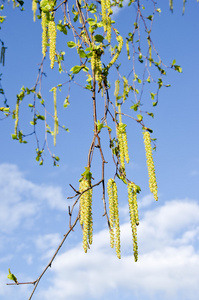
<point>168,266</point>
<point>47,244</point>
<point>116,10</point>
<point>168,248</point>
<point>21,199</point>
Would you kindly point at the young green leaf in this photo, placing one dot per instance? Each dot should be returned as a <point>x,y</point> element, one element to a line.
<point>98,38</point>
<point>71,44</point>
<point>62,28</point>
<point>76,69</point>
<point>12,276</point>
<point>134,107</point>
<point>140,117</point>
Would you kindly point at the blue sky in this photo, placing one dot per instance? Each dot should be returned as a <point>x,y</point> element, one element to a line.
<point>33,198</point>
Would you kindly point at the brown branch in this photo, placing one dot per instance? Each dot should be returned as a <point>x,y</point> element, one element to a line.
<point>19,283</point>
<point>36,282</point>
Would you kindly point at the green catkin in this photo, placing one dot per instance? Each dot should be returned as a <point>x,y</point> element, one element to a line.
<point>128,50</point>
<point>117,89</point>
<point>44,33</point>
<point>14,3</point>
<point>93,60</point>
<point>150,51</point>
<point>56,124</point>
<point>16,116</point>
<point>96,66</point>
<point>52,40</point>
<point>114,216</point>
<point>86,213</point>
<point>98,70</point>
<point>125,89</point>
<point>119,49</point>
<point>34,9</point>
<point>133,211</point>
<point>171,5</point>
<point>150,165</point>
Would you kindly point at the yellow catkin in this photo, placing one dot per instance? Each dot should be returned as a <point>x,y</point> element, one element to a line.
<point>16,116</point>
<point>123,144</point>
<point>119,49</point>
<point>150,165</point>
<point>34,9</point>
<point>44,33</point>
<point>52,40</point>
<point>104,16</point>
<point>114,216</point>
<point>134,219</point>
<point>56,124</point>
<point>86,213</point>
<point>111,210</point>
<point>117,224</point>
<point>108,20</point>
<point>82,198</point>
<point>108,29</point>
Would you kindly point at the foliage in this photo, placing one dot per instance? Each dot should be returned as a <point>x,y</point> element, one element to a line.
<point>101,51</point>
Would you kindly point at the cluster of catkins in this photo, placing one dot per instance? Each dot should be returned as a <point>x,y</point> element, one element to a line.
<point>85,188</point>
<point>49,34</point>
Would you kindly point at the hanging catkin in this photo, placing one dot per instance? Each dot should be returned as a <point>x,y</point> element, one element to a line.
<point>86,213</point>
<point>150,164</point>
<point>52,40</point>
<point>114,216</point>
<point>44,33</point>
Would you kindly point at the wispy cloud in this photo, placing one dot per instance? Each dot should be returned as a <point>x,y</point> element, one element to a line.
<point>168,266</point>
<point>47,244</point>
<point>22,199</point>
